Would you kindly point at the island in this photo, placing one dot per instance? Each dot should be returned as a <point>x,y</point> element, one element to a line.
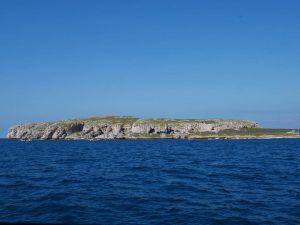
<point>126,127</point>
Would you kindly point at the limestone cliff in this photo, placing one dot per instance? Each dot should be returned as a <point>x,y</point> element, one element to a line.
<point>112,127</point>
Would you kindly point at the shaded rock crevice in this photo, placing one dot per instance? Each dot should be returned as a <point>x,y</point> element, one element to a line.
<point>124,127</point>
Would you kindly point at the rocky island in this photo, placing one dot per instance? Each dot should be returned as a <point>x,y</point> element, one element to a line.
<point>124,127</point>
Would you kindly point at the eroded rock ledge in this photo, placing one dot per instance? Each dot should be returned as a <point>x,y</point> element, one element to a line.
<point>114,127</point>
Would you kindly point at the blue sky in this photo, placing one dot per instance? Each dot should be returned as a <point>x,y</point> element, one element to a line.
<point>186,59</point>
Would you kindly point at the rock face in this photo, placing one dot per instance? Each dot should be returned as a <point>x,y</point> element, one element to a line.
<point>125,127</point>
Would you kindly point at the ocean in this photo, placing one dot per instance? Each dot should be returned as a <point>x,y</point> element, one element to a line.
<point>255,181</point>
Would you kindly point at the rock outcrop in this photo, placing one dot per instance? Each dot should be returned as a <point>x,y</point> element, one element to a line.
<point>126,127</point>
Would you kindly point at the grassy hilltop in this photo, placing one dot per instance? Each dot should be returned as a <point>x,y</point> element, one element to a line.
<point>162,121</point>
<point>117,127</point>
<point>243,132</point>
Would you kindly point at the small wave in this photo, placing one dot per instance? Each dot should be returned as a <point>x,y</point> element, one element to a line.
<point>150,181</point>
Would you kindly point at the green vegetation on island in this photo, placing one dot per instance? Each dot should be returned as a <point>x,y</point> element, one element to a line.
<point>252,132</point>
<point>120,127</point>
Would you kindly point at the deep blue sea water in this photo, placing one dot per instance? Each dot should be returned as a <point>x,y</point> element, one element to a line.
<point>151,182</point>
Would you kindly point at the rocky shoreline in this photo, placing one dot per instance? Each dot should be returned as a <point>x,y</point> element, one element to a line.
<point>122,127</point>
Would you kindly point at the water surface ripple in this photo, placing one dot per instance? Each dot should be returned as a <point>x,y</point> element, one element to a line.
<point>151,181</point>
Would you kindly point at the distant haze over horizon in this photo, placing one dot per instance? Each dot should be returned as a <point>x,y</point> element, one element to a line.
<point>166,59</point>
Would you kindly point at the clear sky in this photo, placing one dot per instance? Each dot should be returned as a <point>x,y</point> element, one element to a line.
<point>167,58</point>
